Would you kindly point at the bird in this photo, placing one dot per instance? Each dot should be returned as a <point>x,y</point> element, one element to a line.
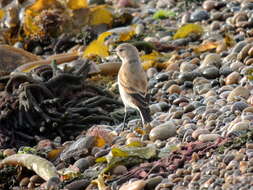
<point>132,82</point>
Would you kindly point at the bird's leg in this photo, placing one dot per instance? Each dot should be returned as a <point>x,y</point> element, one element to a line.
<point>124,121</point>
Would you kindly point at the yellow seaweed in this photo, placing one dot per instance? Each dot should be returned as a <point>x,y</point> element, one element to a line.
<point>39,165</point>
<point>100,15</point>
<point>77,4</point>
<point>188,29</point>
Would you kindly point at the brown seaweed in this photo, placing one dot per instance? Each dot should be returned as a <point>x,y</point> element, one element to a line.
<point>47,101</point>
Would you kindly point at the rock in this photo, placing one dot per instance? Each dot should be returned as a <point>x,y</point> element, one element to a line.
<point>199,15</point>
<point>198,132</point>
<point>208,137</point>
<point>151,72</point>
<point>154,108</point>
<point>136,185</point>
<point>24,182</point>
<point>90,2</point>
<point>162,77</point>
<point>232,78</point>
<point>77,148</point>
<point>77,184</point>
<point>151,39</point>
<point>225,71</point>
<point>174,89</point>
<point>133,139</point>
<point>126,3</point>
<point>239,106</point>
<point>240,126</point>
<point>209,5</point>
<point>187,67</point>
<point>119,170</point>
<point>153,182</point>
<point>228,158</point>
<point>188,76</point>
<point>82,164</point>
<point>215,26</point>
<point>238,47</point>
<point>163,131</point>
<point>211,72</point>
<point>36,179</point>
<point>238,93</point>
<point>172,67</point>
<point>139,29</point>
<point>211,59</point>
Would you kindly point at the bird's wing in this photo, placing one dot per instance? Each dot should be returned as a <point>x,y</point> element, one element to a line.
<point>133,83</point>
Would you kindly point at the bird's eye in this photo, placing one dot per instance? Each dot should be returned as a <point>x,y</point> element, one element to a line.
<point>120,50</point>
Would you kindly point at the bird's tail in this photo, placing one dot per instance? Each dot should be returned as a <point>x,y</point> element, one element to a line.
<point>145,115</point>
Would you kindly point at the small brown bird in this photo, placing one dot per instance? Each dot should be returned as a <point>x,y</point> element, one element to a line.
<point>132,81</point>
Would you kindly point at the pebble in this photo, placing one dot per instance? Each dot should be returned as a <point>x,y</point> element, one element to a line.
<point>119,170</point>
<point>24,182</point>
<point>198,132</point>
<point>243,125</point>
<point>162,77</point>
<point>163,131</point>
<point>136,185</point>
<point>211,72</point>
<point>174,89</point>
<point>211,59</point>
<point>208,137</point>
<point>77,184</point>
<point>153,182</point>
<point>199,15</point>
<point>232,78</point>
<point>209,5</point>
<point>239,106</point>
<point>238,93</point>
<point>36,179</point>
<point>187,67</point>
<point>151,72</point>
<point>82,164</point>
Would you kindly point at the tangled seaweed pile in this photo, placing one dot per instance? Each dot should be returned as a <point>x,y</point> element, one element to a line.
<point>50,102</point>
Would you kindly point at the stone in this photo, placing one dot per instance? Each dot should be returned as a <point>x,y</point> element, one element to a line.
<point>240,126</point>
<point>208,137</point>
<point>211,72</point>
<point>187,67</point>
<point>151,72</point>
<point>239,106</point>
<point>199,15</point>
<point>198,132</point>
<point>238,93</point>
<point>153,182</point>
<point>82,164</point>
<point>136,185</point>
<point>163,131</point>
<point>174,89</point>
<point>24,182</point>
<point>232,78</point>
<point>154,108</point>
<point>208,5</point>
<point>162,77</point>
<point>212,59</point>
<point>119,170</point>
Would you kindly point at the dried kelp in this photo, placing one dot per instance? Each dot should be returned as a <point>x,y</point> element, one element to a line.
<point>48,101</point>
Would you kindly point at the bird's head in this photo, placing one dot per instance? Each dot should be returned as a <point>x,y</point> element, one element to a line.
<point>127,53</point>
